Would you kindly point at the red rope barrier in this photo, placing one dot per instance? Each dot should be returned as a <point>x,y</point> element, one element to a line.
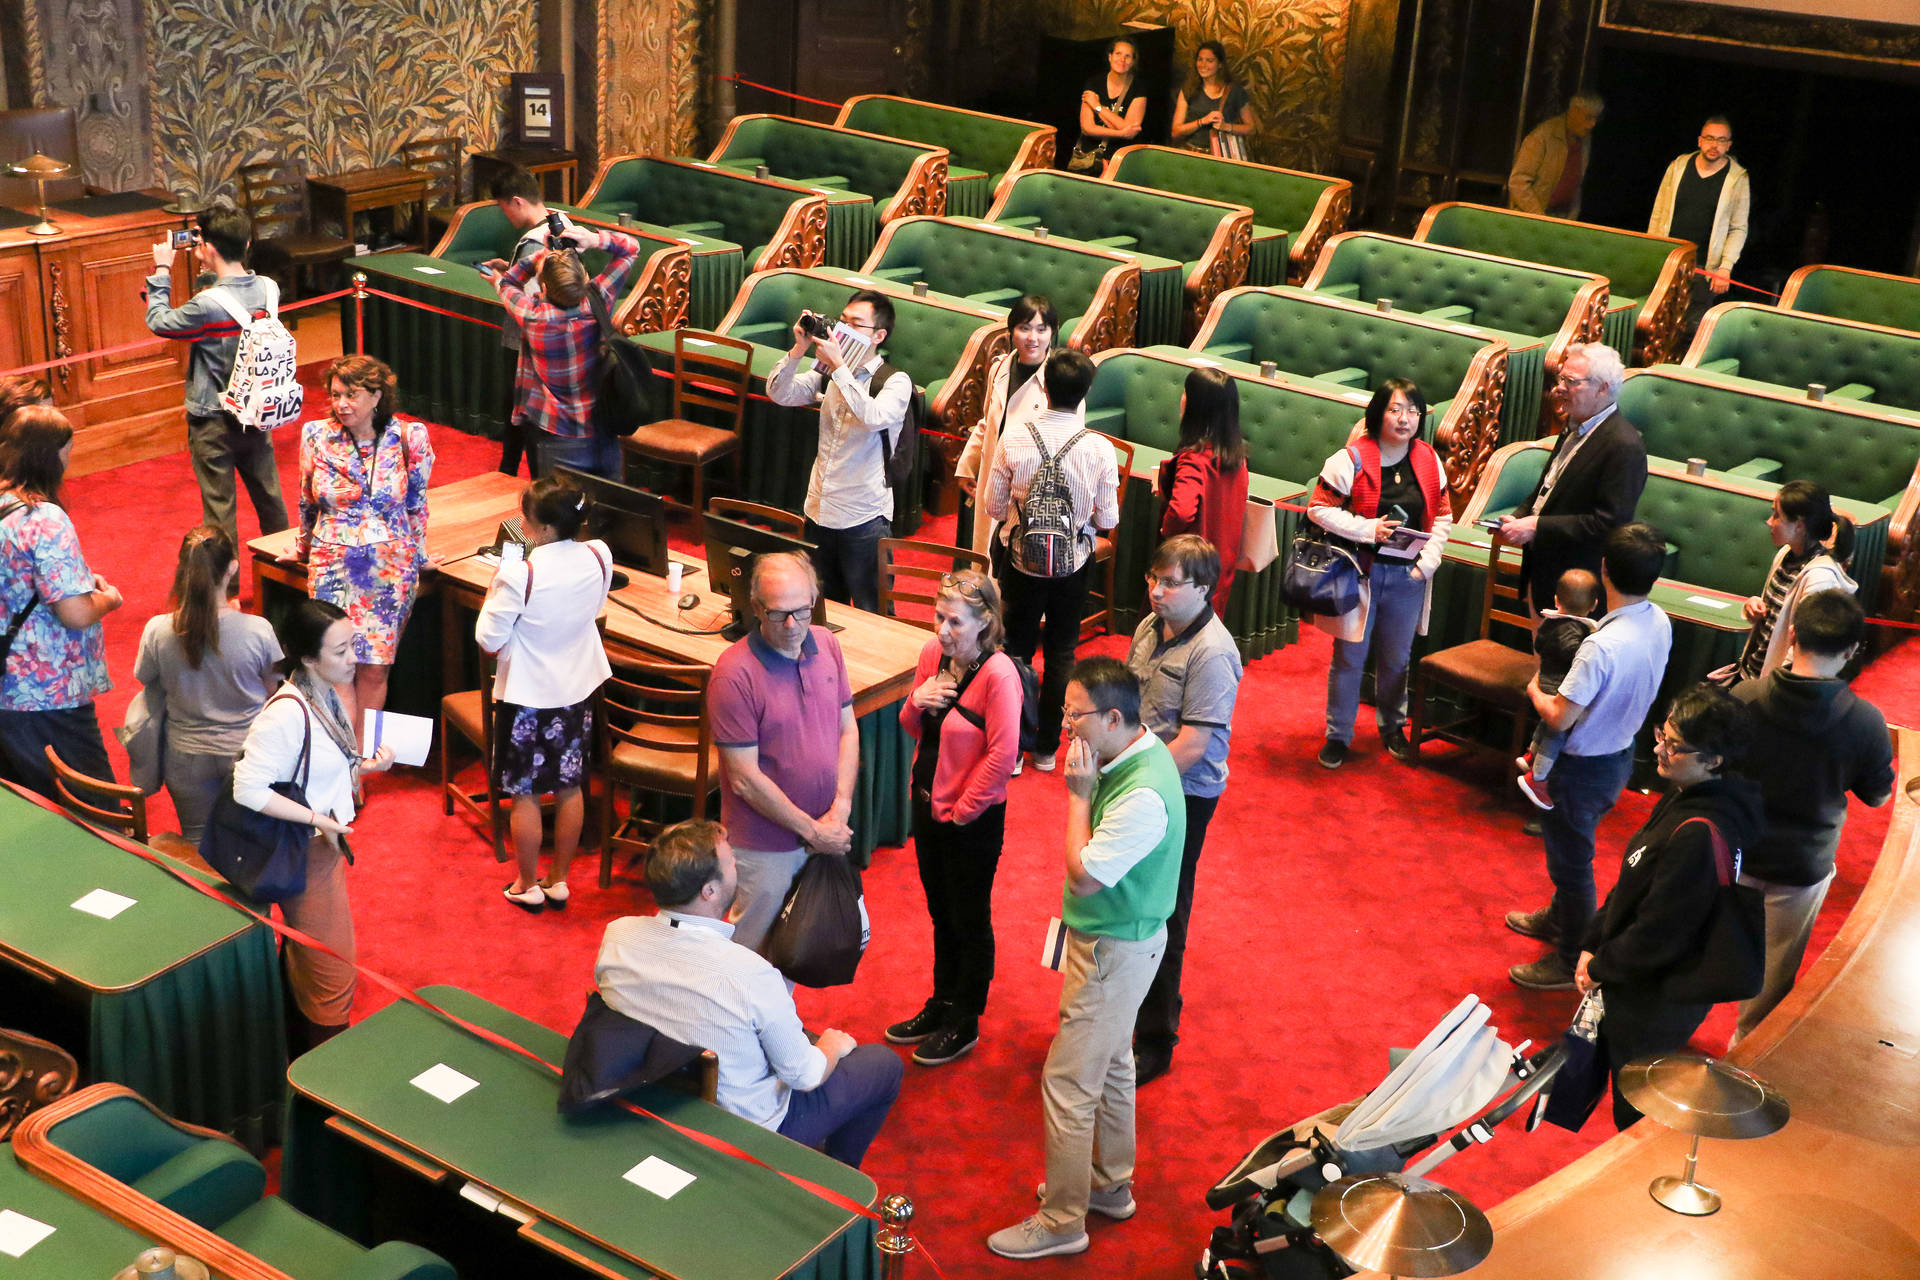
<point>428,306</point>
<point>785,93</point>
<point>156,342</point>
<point>1718,275</point>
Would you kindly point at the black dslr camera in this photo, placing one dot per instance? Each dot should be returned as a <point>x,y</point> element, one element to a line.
<point>555,231</point>
<point>815,326</point>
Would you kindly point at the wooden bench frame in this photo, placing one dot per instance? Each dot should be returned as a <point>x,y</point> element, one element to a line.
<point>800,241</point>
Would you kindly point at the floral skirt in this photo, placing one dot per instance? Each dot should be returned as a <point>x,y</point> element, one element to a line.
<point>375,584</point>
<point>541,750</point>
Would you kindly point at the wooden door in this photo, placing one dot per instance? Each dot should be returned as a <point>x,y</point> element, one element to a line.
<point>848,47</point>
<point>23,338</point>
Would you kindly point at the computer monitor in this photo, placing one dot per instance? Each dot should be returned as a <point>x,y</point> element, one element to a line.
<point>632,522</point>
<point>731,547</point>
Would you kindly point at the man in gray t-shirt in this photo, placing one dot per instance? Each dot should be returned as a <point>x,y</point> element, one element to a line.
<point>1189,672</point>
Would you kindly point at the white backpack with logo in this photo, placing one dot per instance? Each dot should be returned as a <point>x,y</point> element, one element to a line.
<point>263,391</point>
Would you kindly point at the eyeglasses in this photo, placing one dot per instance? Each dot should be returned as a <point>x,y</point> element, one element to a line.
<point>1713,137</point>
<point>781,617</point>
<point>1672,746</point>
<point>965,586</point>
<point>1167,584</point>
<point>1565,381</point>
<point>858,324</point>
<point>1074,717</point>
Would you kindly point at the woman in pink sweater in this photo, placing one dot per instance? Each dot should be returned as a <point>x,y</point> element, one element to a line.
<point>965,713</point>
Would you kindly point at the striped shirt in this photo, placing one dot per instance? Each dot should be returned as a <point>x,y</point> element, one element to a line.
<point>1754,657</point>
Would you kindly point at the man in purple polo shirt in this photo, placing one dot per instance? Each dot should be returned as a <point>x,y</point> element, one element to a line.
<point>781,708</point>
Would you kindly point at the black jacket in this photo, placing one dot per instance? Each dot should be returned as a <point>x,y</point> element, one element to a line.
<point>1813,741</point>
<point>1649,928</point>
<point>1595,495</point>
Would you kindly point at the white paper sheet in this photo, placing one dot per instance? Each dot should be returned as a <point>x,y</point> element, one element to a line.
<point>656,1175</point>
<point>443,1082</point>
<point>1708,603</point>
<point>430,271</point>
<point>104,903</point>
<point>19,1233</point>
<point>411,737</point>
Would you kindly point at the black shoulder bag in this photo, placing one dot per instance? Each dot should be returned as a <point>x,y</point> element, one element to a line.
<point>263,857</point>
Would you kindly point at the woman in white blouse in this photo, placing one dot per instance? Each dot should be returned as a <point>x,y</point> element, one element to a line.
<point>1015,396</point>
<point>306,714</point>
<point>539,623</point>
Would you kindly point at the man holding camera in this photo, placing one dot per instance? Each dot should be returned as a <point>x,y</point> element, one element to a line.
<point>849,504</point>
<point>218,445</point>
<point>522,201</point>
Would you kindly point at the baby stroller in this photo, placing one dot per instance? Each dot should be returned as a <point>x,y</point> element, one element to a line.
<point>1460,1068</point>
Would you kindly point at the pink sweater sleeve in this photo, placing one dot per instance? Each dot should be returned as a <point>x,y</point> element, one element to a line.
<point>909,714</point>
<point>986,783</point>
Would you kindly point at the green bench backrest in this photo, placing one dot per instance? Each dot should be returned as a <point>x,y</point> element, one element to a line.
<point>1852,295</point>
<point>749,212</point>
<point>1086,209</point>
<point>1721,533</point>
<point>485,234</point>
<point>1792,350</point>
<point>1630,262</point>
<point>1847,453</point>
<point>1284,200</point>
<point>1510,296</point>
<point>989,143</point>
<point>961,260</point>
<point>121,1138</point>
<point>927,339</point>
<point>872,166</point>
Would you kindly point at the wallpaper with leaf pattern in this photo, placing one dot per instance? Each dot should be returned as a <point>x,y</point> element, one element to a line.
<point>1290,53</point>
<point>332,84</point>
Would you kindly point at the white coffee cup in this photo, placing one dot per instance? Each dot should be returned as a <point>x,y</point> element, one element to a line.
<point>674,571</point>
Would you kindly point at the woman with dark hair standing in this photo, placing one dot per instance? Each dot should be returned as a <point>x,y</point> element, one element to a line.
<point>1802,524</point>
<point>1015,397</point>
<point>538,622</point>
<point>214,664</point>
<point>1112,109</point>
<point>1652,928</point>
<point>303,732</point>
<point>965,713</point>
<point>363,515</point>
<point>1205,482</point>
<point>1387,479</point>
<point>58,661</point>
<point>1212,112</point>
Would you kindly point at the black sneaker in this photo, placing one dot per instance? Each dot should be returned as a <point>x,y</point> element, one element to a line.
<point>921,1025</point>
<point>1149,1064</point>
<point>1398,746</point>
<point>951,1041</point>
<point>1332,754</point>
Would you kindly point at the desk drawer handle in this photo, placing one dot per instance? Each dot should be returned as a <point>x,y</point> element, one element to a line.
<point>399,1155</point>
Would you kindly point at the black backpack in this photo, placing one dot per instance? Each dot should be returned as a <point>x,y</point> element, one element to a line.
<point>1029,703</point>
<point>623,400</point>
<point>898,453</point>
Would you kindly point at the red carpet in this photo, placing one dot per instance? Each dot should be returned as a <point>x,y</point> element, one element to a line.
<point>1338,914</point>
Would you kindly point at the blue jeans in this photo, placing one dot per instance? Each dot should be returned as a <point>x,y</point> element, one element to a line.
<point>843,1115</point>
<point>1584,790</point>
<point>1393,615</point>
<point>849,561</point>
<point>597,454</point>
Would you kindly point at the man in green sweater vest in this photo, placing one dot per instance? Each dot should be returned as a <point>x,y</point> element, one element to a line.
<point>1126,826</point>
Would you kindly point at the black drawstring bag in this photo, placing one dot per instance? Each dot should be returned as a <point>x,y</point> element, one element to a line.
<point>819,935</point>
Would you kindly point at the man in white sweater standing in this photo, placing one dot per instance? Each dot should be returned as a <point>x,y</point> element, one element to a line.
<point>1704,197</point>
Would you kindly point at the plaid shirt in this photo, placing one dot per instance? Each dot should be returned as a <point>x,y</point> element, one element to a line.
<point>559,370</point>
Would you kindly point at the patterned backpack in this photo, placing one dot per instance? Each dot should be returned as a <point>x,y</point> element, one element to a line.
<point>1045,535</point>
<point>263,391</point>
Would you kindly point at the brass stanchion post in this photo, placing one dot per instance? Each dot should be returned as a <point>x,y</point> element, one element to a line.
<point>894,1241</point>
<point>360,312</point>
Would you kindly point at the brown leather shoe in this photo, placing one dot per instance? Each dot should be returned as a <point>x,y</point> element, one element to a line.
<point>1534,924</point>
<point>1548,973</point>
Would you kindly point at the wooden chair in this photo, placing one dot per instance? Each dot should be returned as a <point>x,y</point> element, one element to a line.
<point>33,1073</point>
<point>274,195</point>
<point>441,157</point>
<point>469,714</point>
<point>706,379</point>
<point>760,515</point>
<point>1485,670</point>
<point>698,1079</point>
<point>1100,613</point>
<point>915,582</point>
<point>100,802</point>
<point>655,740</point>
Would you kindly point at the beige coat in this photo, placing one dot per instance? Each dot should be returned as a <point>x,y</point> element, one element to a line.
<point>1539,163</point>
<point>1729,216</point>
<point>983,442</point>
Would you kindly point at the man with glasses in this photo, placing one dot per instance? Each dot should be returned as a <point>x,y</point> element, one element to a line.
<point>849,505</point>
<point>781,708</point>
<point>1704,197</point>
<point>1593,481</point>
<point>1551,164</point>
<point>1189,671</point>
<point>1600,706</point>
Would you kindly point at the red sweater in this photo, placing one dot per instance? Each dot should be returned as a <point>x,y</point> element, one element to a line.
<point>1204,500</point>
<point>975,763</point>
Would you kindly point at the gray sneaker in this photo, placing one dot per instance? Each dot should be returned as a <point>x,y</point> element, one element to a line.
<point>1033,1238</point>
<point>1113,1202</point>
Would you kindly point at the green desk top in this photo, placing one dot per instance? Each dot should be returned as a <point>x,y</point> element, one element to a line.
<point>48,862</point>
<point>421,268</point>
<point>505,1134</point>
<point>85,1242</point>
<point>834,195</point>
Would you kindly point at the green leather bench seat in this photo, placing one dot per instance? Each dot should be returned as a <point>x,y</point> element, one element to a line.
<point>1161,279</point>
<point>1648,276</point>
<point>1866,296</point>
<point>1093,290</point>
<point>983,148</point>
<point>1792,349</point>
<point>1293,212</point>
<point>867,180</point>
<point>1207,238</point>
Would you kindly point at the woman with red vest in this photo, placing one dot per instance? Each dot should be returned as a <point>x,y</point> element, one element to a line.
<point>1205,481</point>
<point>1381,493</point>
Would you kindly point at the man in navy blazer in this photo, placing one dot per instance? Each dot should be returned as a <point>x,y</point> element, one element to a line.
<point>1593,481</point>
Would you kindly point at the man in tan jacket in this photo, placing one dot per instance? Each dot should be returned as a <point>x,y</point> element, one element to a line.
<point>1552,161</point>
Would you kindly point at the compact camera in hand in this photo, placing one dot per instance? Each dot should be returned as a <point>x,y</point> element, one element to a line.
<point>185,239</point>
<point>816,327</point>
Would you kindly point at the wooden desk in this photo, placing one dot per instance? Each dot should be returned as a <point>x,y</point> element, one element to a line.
<point>341,195</point>
<point>489,165</point>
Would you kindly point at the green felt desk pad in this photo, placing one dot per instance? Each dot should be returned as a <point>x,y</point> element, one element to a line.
<point>735,1221</point>
<point>48,862</point>
<point>85,1243</point>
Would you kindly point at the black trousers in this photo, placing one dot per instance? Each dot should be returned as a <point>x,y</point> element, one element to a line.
<point>73,732</point>
<point>1639,1023</point>
<point>849,561</point>
<point>516,446</point>
<point>957,866</point>
<point>1157,1025</point>
<point>1053,606</point>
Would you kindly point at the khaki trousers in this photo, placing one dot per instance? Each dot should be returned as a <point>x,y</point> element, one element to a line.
<point>1086,1089</point>
<point>322,984</point>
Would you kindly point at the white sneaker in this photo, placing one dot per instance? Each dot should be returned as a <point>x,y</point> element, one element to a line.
<point>1033,1238</point>
<point>1046,763</point>
<point>1019,765</point>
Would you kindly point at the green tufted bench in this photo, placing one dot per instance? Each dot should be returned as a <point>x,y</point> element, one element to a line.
<point>1462,371</point>
<point>1293,212</point>
<point>943,346</point>
<point>1208,239</point>
<point>1538,311</point>
<point>1852,294</point>
<point>197,1190</point>
<point>1096,291</point>
<point>769,224</point>
<point>868,180</point>
<point>1869,363</point>
<point>984,149</point>
<point>1648,277</point>
<point>1291,428</point>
